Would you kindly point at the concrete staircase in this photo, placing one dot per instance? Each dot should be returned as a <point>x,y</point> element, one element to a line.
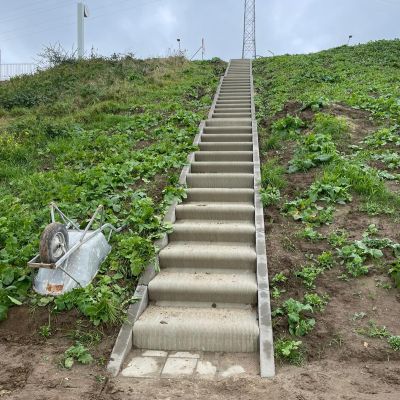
<point>205,296</point>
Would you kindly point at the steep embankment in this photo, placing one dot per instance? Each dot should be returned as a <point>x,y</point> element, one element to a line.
<point>114,132</point>
<point>330,136</point>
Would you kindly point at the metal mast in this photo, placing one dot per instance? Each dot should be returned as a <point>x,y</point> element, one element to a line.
<point>249,29</point>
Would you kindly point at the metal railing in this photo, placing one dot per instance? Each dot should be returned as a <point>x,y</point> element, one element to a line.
<point>8,71</point>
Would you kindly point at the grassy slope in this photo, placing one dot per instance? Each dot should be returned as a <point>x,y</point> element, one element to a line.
<point>338,112</point>
<point>113,132</point>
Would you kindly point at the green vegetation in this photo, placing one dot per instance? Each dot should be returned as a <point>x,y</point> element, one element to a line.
<point>394,342</point>
<point>101,131</point>
<point>296,312</point>
<point>78,352</point>
<point>289,350</point>
<point>331,122</point>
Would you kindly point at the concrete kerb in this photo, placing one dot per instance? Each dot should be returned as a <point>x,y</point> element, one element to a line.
<point>123,344</point>
<point>214,103</point>
<point>267,365</point>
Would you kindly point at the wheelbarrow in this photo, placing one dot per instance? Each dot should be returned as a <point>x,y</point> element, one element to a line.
<point>68,256</point>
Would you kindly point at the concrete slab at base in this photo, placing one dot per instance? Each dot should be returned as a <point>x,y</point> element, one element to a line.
<point>201,365</point>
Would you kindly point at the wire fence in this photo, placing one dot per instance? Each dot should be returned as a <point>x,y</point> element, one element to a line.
<point>8,71</point>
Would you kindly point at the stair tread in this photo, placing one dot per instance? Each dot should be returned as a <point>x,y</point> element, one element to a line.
<point>187,328</point>
<point>197,224</point>
<point>208,318</point>
<point>220,250</point>
<point>217,205</point>
<point>207,287</point>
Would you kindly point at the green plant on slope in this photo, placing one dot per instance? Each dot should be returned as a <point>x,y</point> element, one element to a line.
<point>325,260</point>
<point>389,158</point>
<point>394,272</point>
<point>335,127</point>
<point>288,127</point>
<point>313,149</point>
<point>354,255</point>
<point>308,274</point>
<point>289,350</point>
<point>382,137</point>
<point>329,189</point>
<point>394,342</point>
<point>78,352</point>
<point>316,301</point>
<point>270,195</point>
<point>299,323</point>
<point>374,331</point>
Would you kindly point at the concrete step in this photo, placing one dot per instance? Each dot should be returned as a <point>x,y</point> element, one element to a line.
<point>240,97</point>
<point>221,156</point>
<point>220,195</point>
<point>218,180</point>
<point>231,130</point>
<point>208,256</point>
<point>212,289</point>
<point>199,167</point>
<point>194,329</point>
<point>226,146</point>
<point>232,115</point>
<point>235,86</point>
<point>230,122</point>
<point>238,137</point>
<point>235,91</point>
<point>230,109</point>
<point>239,106</point>
<point>236,81</point>
<point>212,231</point>
<point>239,102</point>
<point>215,211</point>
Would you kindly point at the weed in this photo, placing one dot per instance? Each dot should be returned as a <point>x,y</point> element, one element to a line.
<point>313,149</point>
<point>78,352</point>
<point>310,233</point>
<point>394,272</point>
<point>299,324</point>
<point>394,342</point>
<point>45,331</point>
<point>335,127</point>
<point>279,278</point>
<point>309,274</point>
<point>270,195</point>
<point>374,331</point>
<point>325,260</point>
<point>289,350</point>
<point>382,137</point>
<point>288,127</point>
<point>316,301</point>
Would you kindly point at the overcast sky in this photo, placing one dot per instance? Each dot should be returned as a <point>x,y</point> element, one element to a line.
<point>150,27</point>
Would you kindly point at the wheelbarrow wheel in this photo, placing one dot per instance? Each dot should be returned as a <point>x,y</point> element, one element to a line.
<point>53,243</point>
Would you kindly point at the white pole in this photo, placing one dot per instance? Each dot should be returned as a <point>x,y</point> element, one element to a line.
<point>81,44</point>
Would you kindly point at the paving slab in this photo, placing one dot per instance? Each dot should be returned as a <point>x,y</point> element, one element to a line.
<point>206,370</point>
<point>176,367</point>
<point>144,367</point>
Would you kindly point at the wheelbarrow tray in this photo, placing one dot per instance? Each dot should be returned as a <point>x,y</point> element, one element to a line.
<point>77,271</point>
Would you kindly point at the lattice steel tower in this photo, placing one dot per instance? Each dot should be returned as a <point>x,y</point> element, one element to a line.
<point>249,29</point>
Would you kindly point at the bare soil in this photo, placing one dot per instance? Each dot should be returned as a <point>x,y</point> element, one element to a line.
<point>340,363</point>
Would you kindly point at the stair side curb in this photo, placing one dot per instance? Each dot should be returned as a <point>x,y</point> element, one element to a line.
<point>123,344</point>
<point>267,363</point>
